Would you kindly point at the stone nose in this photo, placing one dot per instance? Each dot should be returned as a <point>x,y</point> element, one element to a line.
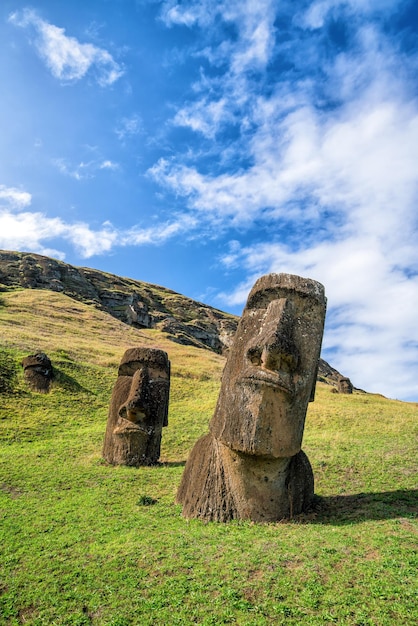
<point>275,348</point>
<point>134,409</point>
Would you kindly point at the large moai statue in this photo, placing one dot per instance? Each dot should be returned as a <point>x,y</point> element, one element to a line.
<point>250,465</point>
<point>138,408</point>
<point>38,371</point>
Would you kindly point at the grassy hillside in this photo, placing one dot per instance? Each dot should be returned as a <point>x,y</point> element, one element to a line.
<point>78,545</point>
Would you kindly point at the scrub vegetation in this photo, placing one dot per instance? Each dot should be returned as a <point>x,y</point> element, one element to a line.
<point>85,543</point>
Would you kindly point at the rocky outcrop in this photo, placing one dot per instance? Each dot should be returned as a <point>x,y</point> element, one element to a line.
<point>133,302</point>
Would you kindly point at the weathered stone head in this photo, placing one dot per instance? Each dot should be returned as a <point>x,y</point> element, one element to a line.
<point>270,374</point>
<point>250,465</point>
<point>138,408</point>
<point>38,371</point>
<point>345,385</point>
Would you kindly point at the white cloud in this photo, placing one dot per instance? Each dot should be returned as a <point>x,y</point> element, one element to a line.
<point>34,230</point>
<point>329,164</point>
<point>108,165</point>
<point>67,58</point>
<point>14,198</point>
<point>30,231</point>
<point>129,126</point>
<point>359,160</point>
<point>160,233</point>
<point>188,13</point>
<point>252,19</point>
<point>317,12</point>
<point>223,98</point>
<point>84,169</point>
<point>255,21</point>
<point>172,13</point>
<point>204,117</point>
<point>371,331</point>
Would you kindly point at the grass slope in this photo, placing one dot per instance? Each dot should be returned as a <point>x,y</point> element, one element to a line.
<point>82,543</point>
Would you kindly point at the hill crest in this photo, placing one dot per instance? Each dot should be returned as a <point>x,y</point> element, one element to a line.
<point>135,303</point>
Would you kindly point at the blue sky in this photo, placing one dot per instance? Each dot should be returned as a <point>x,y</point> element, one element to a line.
<point>201,144</point>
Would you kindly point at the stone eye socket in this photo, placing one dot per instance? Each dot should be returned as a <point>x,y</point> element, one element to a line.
<point>254,356</point>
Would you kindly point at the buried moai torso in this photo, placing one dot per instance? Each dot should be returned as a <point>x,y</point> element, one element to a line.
<point>250,465</point>
<point>138,408</point>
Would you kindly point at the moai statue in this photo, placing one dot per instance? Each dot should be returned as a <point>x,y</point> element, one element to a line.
<point>38,371</point>
<point>138,408</point>
<point>345,385</point>
<point>250,465</point>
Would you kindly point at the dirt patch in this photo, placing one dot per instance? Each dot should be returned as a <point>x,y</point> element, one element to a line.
<point>14,492</point>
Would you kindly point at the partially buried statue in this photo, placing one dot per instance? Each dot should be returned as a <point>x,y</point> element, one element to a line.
<point>38,371</point>
<point>138,408</point>
<point>250,465</point>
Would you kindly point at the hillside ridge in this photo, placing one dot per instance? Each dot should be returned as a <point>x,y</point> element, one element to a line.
<point>133,302</point>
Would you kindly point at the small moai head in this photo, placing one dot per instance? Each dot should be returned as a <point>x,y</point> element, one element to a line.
<point>345,385</point>
<point>138,408</point>
<point>38,371</point>
<point>271,369</point>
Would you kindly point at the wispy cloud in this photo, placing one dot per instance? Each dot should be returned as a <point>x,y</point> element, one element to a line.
<point>129,127</point>
<point>371,331</point>
<point>316,13</point>
<point>14,198</point>
<point>108,165</point>
<point>67,58</point>
<point>221,98</point>
<point>325,162</point>
<point>159,233</point>
<point>23,229</point>
<point>84,169</point>
<point>253,22</point>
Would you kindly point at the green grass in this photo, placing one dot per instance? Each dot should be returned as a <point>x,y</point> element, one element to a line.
<point>85,543</point>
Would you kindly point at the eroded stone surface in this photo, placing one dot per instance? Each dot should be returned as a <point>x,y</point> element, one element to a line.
<point>138,408</point>
<point>250,465</point>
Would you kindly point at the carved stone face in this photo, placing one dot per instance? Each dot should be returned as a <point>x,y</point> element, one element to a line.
<point>270,373</point>
<point>138,408</point>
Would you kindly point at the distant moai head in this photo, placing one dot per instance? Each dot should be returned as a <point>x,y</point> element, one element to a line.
<point>38,371</point>
<point>345,385</point>
<point>138,408</point>
<point>271,368</point>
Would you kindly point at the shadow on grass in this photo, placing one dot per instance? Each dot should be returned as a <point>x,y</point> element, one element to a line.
<point>360,507</point>
<point>66,382</point>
